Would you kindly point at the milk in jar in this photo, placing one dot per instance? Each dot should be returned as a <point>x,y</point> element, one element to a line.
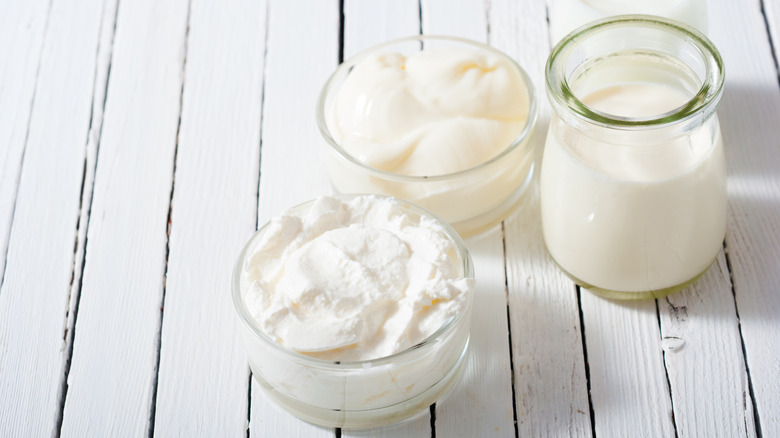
<point>633,180</point>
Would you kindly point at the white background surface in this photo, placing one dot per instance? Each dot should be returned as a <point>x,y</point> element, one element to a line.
<point>141,142</point>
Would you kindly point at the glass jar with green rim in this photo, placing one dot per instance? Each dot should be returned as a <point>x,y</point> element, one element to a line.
<point>633,179</point>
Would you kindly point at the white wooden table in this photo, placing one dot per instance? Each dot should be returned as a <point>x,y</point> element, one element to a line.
<point>142,141</point>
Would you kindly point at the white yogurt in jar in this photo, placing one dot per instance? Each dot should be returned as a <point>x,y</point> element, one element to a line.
<point>634,218</point>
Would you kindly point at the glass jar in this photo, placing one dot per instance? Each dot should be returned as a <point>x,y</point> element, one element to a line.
<point>633,179</point>
<point>567,15</point>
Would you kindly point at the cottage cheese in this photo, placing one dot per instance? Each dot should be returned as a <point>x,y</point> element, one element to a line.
<point>353,280</point>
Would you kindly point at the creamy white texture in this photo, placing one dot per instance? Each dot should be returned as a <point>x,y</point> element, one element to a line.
<point>354,280</point>
<point>439,111</point>
<point>634,217</point>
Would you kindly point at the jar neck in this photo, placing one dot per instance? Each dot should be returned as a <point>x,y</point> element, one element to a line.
<point>635,49</point>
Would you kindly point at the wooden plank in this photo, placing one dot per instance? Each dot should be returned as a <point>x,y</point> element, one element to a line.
<point>629,392</point>
<point>748,114</point>
<point>22,29</point>
<point>481,405</point>
<point>290,167</point>
<point>41,259</point>
<point>703,356</point>
<point>115,348</point>
<point>551,393</point>
<point>203,378</point>
<point>367,24</point>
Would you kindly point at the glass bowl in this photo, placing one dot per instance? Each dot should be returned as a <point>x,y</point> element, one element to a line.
<point>357,394</point>
<point>470,200</point>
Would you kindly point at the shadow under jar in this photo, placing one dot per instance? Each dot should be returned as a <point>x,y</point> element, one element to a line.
<point>401,136</point>
<point>633,179</point>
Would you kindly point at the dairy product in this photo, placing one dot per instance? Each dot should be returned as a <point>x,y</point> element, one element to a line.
<point>634,217</point>
<point>447,127</point>
<point>439,111</point>
<point>567,15</point>
<point>354,280</point>
<point>356,309</point>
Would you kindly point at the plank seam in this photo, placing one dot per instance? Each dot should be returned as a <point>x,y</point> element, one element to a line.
<point>666,370</point>
<point>257,193</point>
<point>769,38</point>
<point>585,360</point>
<point>756,416</point>
<point>433,420</point>
<point>24,145</point>
<point>342,24</point>
<point>509,329</point>
<point>155,380</point>
<point>74,291</point>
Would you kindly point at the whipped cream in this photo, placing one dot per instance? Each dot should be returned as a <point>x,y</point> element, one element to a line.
<point>439,111</point>
<point>354,279</point>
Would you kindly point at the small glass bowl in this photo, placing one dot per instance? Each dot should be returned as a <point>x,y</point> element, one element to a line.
<point>358,394</point>
<point>470,200</point>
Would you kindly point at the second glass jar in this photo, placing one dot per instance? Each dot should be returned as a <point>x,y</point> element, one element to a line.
<point>633,180</point>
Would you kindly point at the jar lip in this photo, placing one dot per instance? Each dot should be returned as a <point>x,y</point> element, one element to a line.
<point>348,64</point>
<point>706,97</point>
<point>258,334</point>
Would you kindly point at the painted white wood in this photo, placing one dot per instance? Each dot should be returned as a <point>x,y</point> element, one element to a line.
<point>302,51</point>
<point>369,23</point>
<point>203,377</point>
<point>463,18</point>
<point>481,405</point>
<point>113,367</point>
<point>703,356</point>
<point>34,299</point>
<point>550,386</point>
<point>22,28</point>
<point>749,114</point>
<point>627,377</point>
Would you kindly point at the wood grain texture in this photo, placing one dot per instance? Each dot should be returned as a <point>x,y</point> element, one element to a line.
<point>22,29</point>
<point>627,377</point>
<point>302,51</point>
<point>749,113</point>
<point>203,377</point>
<point>303,48</point>
<point>369,23</point>
<point>34,300</point>
<point>482,404</point>
<point>703,356</point>
<point>114,353</point>
<point>550,385</point>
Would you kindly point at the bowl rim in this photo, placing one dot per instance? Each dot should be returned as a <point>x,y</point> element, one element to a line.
<point>258,334</point>
<point>524,135</point>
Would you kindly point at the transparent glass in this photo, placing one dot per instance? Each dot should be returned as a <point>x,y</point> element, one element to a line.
<point>567,15</point>
<point>359,394</point>
<point>470,200</point>
<point>634,205</point>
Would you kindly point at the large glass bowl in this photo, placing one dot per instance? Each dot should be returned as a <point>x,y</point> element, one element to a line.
<point>359,394</point>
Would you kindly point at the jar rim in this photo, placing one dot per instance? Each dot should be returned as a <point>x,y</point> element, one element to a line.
<point>348,64</point>
<point>258,334</point>
<point>703,102</point>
